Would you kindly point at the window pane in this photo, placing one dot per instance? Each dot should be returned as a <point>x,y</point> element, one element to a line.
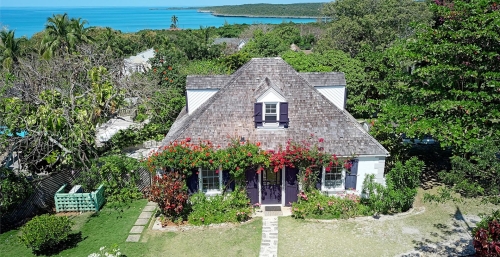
<point>210,180</point>
<point>270,108</point>
<point>271,118</point>
<point>333,179</point>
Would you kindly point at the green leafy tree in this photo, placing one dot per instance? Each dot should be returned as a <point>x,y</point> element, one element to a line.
<point>452,90</point>
<point>10,48</point>
<point>355,23</point>
<point>13,189</point>
<point>359,89</point>
<point>59,107</point>
<point>448,87</point>
<point>117,173</point>
<point>265,45</point>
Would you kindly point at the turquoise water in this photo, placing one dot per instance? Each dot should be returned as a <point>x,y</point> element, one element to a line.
<point>27,21</point>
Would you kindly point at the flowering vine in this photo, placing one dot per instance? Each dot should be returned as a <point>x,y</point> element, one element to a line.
<point>237,157</point>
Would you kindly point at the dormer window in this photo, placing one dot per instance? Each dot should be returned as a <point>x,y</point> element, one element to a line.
<point>271,110</point>
<point>271,113</point>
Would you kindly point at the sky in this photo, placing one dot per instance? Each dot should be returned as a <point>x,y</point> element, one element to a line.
<point>158,3</point>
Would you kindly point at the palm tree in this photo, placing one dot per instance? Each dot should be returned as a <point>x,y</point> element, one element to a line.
<point>79,30</point>
<point>174,20</point>
<point>62,35</point>
<point>10,48</point>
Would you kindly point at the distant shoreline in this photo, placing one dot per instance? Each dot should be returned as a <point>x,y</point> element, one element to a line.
<point>257,16</point>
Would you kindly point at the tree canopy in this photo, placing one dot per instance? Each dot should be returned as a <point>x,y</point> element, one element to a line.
<point>376,23</point>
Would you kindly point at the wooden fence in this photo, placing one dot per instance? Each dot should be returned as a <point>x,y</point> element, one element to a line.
<point>42,199</point>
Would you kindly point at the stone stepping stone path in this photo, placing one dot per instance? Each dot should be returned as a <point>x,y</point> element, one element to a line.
<point>269,243</point>
<point>135,232</point>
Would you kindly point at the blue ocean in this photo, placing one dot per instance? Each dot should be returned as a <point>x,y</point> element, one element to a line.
<point>30,20</point>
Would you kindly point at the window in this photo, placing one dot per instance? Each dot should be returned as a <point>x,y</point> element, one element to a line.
<point>270,113</point>
<point>333,178</point>
<point>210,180</point>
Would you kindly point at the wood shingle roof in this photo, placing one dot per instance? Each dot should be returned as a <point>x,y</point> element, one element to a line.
<point>229,113</point>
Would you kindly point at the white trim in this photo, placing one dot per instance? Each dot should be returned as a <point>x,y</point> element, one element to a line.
<point>329,189</point>
<point>260,186</point>
<point>270,124</point>
<point>283,187</point>
<point>271,95</point>
<point>209,192</point>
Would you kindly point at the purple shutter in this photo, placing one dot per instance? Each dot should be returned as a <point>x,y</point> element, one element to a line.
<point>291,185</point>
<point>352,176</point>
<point>257,113</point>
<point>318,179</point>
<point>192,182</point>
<point>227,181</point>
<point>284,114</point>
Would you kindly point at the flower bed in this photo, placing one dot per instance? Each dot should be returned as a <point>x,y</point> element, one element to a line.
<point>319,206</point>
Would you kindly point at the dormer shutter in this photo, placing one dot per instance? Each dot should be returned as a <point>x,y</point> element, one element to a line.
<point>257,113</point>
<point>283,114</point>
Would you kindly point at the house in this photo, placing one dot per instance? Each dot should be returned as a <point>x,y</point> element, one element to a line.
<point>139,62</point>
<point>267,101</point>
<point>232,44</point>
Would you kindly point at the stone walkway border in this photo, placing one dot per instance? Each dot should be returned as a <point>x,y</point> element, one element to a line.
<point>135,232</point>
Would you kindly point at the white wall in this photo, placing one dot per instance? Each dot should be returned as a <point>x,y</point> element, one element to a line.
<point>336,95</point>
<point>196,97</point>
<point>370,165</point>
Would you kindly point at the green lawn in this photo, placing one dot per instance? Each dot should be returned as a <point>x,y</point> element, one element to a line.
<point>112,226</point>
<point>444,225</point>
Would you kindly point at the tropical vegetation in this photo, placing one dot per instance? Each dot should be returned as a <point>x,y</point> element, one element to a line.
<point>414,69</point>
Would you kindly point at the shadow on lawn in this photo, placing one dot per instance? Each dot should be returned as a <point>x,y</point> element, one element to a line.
<point>453,239</point>
<point>72,241</point>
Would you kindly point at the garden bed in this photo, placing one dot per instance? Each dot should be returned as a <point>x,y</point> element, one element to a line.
<point>157,225</point>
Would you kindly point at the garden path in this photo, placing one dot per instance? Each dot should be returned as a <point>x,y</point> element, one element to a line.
<point>142,221</point>
<point>269,243</point>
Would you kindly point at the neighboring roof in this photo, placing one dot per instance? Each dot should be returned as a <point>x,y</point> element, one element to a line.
<point>142,57</point>
<point>205,82</point>
<point>318,79</point>
<point>230,112</point>
<point>294,47</point>
<point>229,41</point>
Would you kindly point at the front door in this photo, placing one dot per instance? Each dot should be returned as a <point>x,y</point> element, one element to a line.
<point>271,187</point>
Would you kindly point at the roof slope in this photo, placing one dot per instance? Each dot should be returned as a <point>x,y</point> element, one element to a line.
<point>229,113</point>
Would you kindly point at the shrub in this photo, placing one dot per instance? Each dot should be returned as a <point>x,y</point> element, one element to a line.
<point>233,207</point>
<point>486,219</point>
<point>170,193</point>
<point>487,241</point>
<point>45,232</point>
<point>319,206</point>
<point>13,189</point>
<point>400,190</point>
<point>117,173</point>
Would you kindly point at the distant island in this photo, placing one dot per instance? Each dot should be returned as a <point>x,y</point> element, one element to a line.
<point>304,10</point>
